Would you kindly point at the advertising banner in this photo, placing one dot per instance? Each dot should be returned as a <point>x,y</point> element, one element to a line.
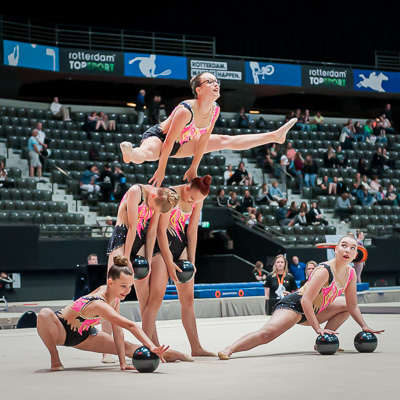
<point>260,73</point>
<point>327,77</point>
<point>155,66</point>
<point>91,62</point>
<point>377,81</point>
<point>221,69</point>
<point>29,55</point>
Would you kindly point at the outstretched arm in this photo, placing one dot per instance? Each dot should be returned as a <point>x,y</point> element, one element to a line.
<point>109,314</point>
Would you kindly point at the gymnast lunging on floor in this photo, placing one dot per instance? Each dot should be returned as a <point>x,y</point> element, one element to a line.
<point>187,132</point>
<point>135,235</point>
<point>73,326</point>
<point>318,301</point>
<point>177,239</point>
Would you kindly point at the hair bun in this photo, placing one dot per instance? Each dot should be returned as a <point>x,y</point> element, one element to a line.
<point>207,179</point>
<point>172,197</point>
<point>120,261</point>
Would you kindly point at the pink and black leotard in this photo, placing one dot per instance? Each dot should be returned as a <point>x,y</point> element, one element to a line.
<point>326,296</point>
<point>118,237</point>
<point>176,232</point>
<point>77,327</point>
<point>189,132</point>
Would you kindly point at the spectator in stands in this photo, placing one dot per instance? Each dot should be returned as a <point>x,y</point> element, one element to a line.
<point>94,122</point>
<point>346,137</point>
<point>329,158</point>
<point>343,207</point>
<point>382,199</point>
<point>59,111</point>
<point>106,182</point>
<point>290,151</point>
<point>299,219</point>
<point>310,266</point>
<point>260,274</point>
<point>263,195</point>
<point>300,124</point>
<point>222,199</point>
<point>368,130</point>
<point>260,220</point>
<point>292,211</point>
<point>233,202</point>
<point>92,259</point>
<point>341,186</point>
<point>281,214</point>
<point>392,195</point>
<point>251,220</point>
<point>318,120</point>
<point>88,180</point>
<point>358,132</point>
<point>241,176</point>
<point>388,162</point>
<point>297,269</point>
<point>244,121</point>
<point>110,124</point>
<point>4,182</point>
<point>308,122</point>
<point>154,110</point>
<point>355,183</point>
<point>315,215</point>
<point>327,186</point>
<point>374,185</point>
<point>275,192</point>
<point>34,149</point>
<point>140,106</point>
<point>310,171</point>
<point>379,132</point>
<point>121,186</point>
<point>298,164</point>
<point>364,198</point>
<point>284,163</point>
<point>378,163</point>
<point>365,184</point>
<point>386,124</point>
<point>266,160</point>
<point>228,174</point>
<point>340,159</point>
<point>247,203</point>
<point>280,281</point>
<point>362,167</point>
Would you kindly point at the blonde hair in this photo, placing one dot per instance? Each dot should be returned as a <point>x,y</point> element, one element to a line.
<point>310,262</point>
<point>286,265</point>
<point>166,199</point>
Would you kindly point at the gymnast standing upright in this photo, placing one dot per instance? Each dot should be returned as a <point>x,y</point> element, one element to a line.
<point>187,132</point>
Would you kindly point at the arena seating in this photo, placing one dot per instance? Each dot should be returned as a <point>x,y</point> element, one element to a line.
<point>71,143</point>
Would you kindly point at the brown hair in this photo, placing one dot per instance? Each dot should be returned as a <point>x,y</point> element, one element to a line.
<point>120,265</point>
<point>201,184</point>
<point>350,235</point>
<point>195,83</point>
<point>166,199</point>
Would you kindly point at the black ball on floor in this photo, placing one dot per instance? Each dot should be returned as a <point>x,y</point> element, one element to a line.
<point>144,360</point>
<point>327,344</point>
<point>140,267</point>
<point>187,271</point>
<point>365,342</point>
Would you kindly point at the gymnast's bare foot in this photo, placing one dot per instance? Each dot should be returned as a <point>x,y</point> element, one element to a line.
<point>203,353</point>
<point>126,148</point>
<point>56,366</point>
<point>224,354</point>
<point>173,355</point>
<point>283,130</point>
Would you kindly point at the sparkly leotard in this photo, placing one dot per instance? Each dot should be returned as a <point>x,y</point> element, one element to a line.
<point>330,291</point>
<point>77,327</point>
<point>189,132</point>
<point>118,238</point>
<point>176,232</point>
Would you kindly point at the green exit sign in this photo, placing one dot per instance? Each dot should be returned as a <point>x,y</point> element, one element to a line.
<point>205,224</point>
